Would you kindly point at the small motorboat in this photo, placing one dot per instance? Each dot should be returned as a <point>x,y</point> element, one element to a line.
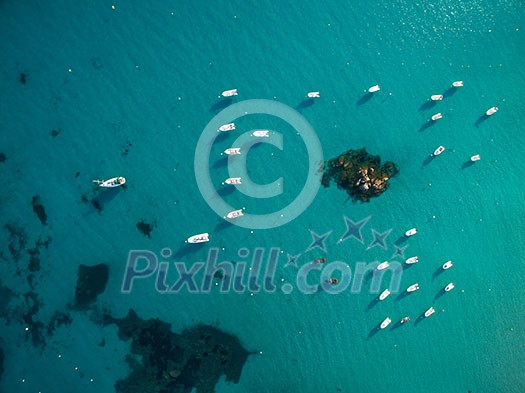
<point>404,320</point>
<point>477,157</point>
<point>200,238</point>
<point>437,116</point>
<point>227,127</point>
<point>449,287</point>
<point>110,183</point>
<point>314,94</point>
<point>235,214</point>
<point>229,93</point>
<point>457,83</point>
<point>447,265</point>
<point>436,97</point>
<point>412,260</point>
<point>374,88</point>
<point>332,281</point>
<point>261,133</point>
<point>383,265</point>
<point>491,111</point>
<point>385,323</point>
<point>411,232</point>
<point>413,287</point>
<point>233,180</point>
<point>233,151</point>
<point>438,151</point>
<point>319,260</point>
<point>429,312</point>
<point>384,294</point>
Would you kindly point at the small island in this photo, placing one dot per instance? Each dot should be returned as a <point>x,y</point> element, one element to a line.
<point>359,173</point>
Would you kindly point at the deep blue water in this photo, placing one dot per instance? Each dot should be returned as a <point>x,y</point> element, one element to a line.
<point>130,91</point>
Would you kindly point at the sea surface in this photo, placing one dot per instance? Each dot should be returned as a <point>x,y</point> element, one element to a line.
<point>93,90</point>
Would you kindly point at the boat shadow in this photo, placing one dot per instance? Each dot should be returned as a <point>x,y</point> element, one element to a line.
<point>364,99</point>
<point>372,304</point>
<point>428,160</point>
<point>223,224</point>
<point>439,294</point>
<point>374,331</point>
<point>481,119</point>
<point>402,239</point>
<point>221,162</point>
<point>427,124</point>
<point>105,196</point>
<point>221,104</point>
<point>427,105</point>
<point>225,191</point>
<point>402,295</point>
<point>305,104</point>
<point>449,92</point>
<point>420,318</point>
<point>467,164</point>
<point>438,271</point>
<point>187,249</point>
<point>397,325</point>
<point>221,137</point>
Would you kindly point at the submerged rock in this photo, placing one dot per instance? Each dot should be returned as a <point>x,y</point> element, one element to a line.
<point>39,209</point>
<point>91,282</point>
<point>3,157</point>
<point>1,362</point>
<point>146,228</point>
<point>360,174</point>
<point>177,363</point>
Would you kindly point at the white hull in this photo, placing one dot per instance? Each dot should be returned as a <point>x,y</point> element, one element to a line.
<point>412,260</point>
<point>447,265</point>
<point>439,150</point>
<point>457,84</point>
<point>429,312</point>
<point>437,116</point>
<point>373,89</point>
<point>413,288</point>
<point>229,93</point>
<point>411,232</point>
<point>477,157</point>
<point>436,97</point>
<point>110,183</point>
<point>233,151</point>
<point>227,127</point>
<point>491,111</point>
<point>384,294</point>
<point>235,214</point>
<point>261,133</point>
<point>200,238</point>
<point>233,180</point>
<point>314,94</point>
<point>383,265</point>
<point>385,323</point>
<point>449,287</point>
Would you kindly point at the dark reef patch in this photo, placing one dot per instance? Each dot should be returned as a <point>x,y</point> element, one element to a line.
<point>3,157</point>
<point>360,174</point>
<point>39,209</point>
<point>177,363</point>
<point>125,149</point>
<point>35,328</point>
<point>146,228</point>
<point>55,133</point>
<point>17,241</point>
<point>91,282</point>
<point>58,319</point>
<point>22,77</point>
<point>1,362</point>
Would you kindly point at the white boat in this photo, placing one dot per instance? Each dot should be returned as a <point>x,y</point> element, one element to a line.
<point>314,94</point>
<point>413,287</point>
<point>233,180</point>
<point>200,238</point>
<point>110,183</point>
<point>437,116</point>
<point>229,93</point>
<point>411,232</point>
<point>235,214</point>
<point>457,83</point>
<point>227,127</point>
<point>261,133</point>
<point>383,265</point>
<point>439,150</point>
<point>449,287</point>
<point>477,157</point>
<point>385,323</point>
<point>429,312</point>
<point>491,111</point>
<point>447,265</point>
<point>436,97</point>
<point>374,88</point>
<point>404,320</point>
<point>412,260</point>
<point>233,151</point>
<point>384,294</point>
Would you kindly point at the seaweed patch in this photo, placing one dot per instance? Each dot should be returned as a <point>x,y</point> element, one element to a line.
<point>91,282</point>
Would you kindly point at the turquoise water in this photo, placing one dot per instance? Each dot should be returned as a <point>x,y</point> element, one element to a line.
<point>145,77</point>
